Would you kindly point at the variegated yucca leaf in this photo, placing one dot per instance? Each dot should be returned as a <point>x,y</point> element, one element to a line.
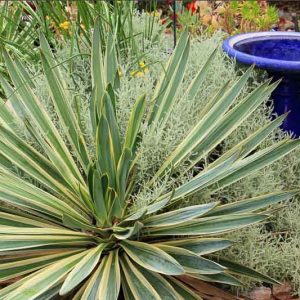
<point>71,230</point>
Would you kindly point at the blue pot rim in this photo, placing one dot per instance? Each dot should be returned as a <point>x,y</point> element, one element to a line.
<point>261,62</point>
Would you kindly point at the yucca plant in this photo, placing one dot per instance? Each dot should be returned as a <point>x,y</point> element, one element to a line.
<point>79,16</point>
<point>68,223</point>
<point>16,33</point>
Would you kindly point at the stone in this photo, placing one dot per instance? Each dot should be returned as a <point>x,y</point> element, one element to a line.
<point>261,293</point>
<point>282,291</point>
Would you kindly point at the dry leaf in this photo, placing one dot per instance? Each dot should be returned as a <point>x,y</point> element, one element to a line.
<point>202,4</point>
<point>207,291</point>
<point>214,22</point>
<point>206,20</point>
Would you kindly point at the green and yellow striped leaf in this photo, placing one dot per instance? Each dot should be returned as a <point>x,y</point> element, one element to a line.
<point>160,284</point>
<point>209,226</point>
<point>255,162</point>
<point>164,81</point>
<point>42,281</point>
<point>191,262</point>
<point>205,178</point>
<point>184,291</point>
<point>200,246</point>
<point>61,103</point>
<point>252,204</point>
<point>10,288</point>
<point>221,278</point>
<point>200,77</point>
<point>178,216</point>
<point>252,141</point>
<point>239,269</point>
<point>231,120</point>
<point>105,151</point>
<point>60,154</point>
<point>24,266</point>
<point>111,279</point>
<point>82,269</point>
<point>152,258</point>
<point>204,127</point>
<point>21,193</point>
<point>138,285</point>
<point>134,123</point>
<point>13,220</point>
<point>91,291</point>
<point>98,77</point>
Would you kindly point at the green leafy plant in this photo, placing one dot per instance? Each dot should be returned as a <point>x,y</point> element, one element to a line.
<point>68,222</point>
<point>232,16</point>
<point>73,22</point>
<point>187,19</point>
<point>17,34</point>
<point>67,24</point>
<point>252,16</point>
<point>255,18</point>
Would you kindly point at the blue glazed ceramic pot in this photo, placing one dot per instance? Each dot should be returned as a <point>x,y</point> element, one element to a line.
<point>279,54</point>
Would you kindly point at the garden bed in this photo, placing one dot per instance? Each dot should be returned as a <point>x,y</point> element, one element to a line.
<point>127,177</point>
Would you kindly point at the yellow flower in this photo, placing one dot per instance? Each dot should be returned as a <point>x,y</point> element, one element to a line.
<point>139,74</point>
<point>142,69</point>
<point>65,25</point>
<point>154,13</point>
<point>142,64</point>
<point>136,73</point>
<point>120,72</point>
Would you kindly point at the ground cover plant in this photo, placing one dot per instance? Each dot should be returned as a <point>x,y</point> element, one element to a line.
<point>272,248</point>
<point>82,219</point>
<point>232,17</point>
